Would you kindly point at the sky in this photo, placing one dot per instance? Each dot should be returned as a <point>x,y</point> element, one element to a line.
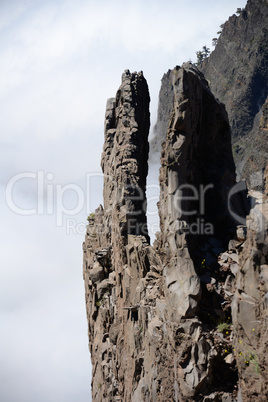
<point>59,62</point>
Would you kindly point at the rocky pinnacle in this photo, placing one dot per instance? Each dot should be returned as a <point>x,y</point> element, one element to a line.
<point>125,154</point>
<point>154,312</point>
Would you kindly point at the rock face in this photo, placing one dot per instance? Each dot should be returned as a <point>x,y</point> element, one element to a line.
<point>165,105</point>
<point>159,316</point>
<point>237,71</point>
<point>250,306</point>
<point>197,171</point>
<point>114,262</point>
<point>125,154</point>
<point>196,156</point>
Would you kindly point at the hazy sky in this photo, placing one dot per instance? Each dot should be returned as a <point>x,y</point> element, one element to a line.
<point>59,62</point>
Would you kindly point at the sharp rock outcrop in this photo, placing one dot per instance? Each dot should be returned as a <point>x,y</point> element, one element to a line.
<point>153,311</point>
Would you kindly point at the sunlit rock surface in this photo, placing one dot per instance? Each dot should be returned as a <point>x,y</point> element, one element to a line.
<point>160,326</point>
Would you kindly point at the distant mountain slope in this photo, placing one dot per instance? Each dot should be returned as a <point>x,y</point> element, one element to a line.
<point>237,71</point>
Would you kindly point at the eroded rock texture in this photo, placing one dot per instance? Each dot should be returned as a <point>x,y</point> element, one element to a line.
<point>197,171</point>
<point>250,306</point>
<point>125,154</point>
<point>154,312</point>
<point>237,71</point>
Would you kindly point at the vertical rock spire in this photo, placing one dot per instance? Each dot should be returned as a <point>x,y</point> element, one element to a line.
<point>197,171</point>
<point>197,164</point>
<point>125,155</point>
<point>152,310</point>
<point>116,249</point>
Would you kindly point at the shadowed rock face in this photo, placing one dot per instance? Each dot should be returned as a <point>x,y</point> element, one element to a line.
<point>197,170</point>
<point>237,71</point>
<point>153,311</point>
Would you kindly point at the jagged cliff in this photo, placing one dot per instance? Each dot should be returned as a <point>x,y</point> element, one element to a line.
<point>160,317</point>
<point>237,71</point>
<point>250,305</point>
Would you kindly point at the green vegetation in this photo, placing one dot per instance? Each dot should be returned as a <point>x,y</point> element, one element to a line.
<point>236,148</point>
<point>252,358</point>
<point>223,327</point>
<point>202,55</point>
<point>214,41</point>
<point>91,216</point>
<point>100,302</point>
<point>239,11</point>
